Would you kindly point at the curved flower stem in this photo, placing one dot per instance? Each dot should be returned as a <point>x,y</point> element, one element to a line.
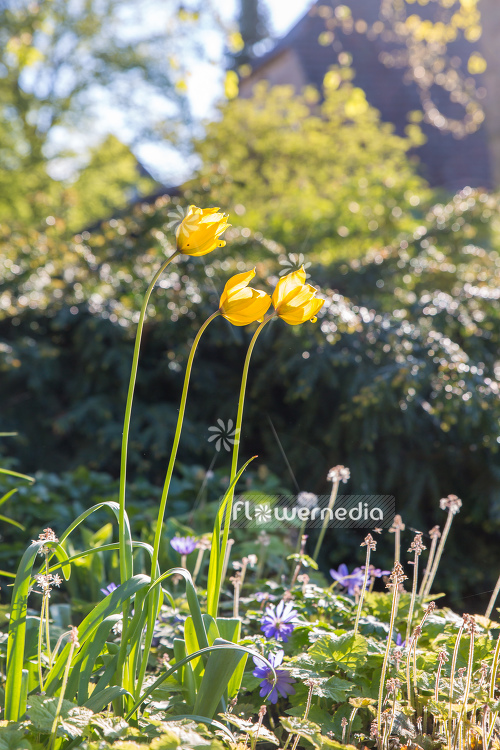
<point>126,569</point>
<point>331,503</point>
<point>493,599</point>
<point>493,680</point>
<point>394,609</point>
<point>413,596</point>
<point>465,699</point>
<point>452,679</point>
<point>153,601</point>
<point>177,436</point>
<point>236,448</point>
<point>428,568</point>
<point>439,552</point>
<point>363,589</point>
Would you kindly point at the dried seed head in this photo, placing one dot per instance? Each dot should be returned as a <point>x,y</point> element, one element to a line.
<point>369,542</point>
<point>204,543</point>
<point>303,579</point>
<point>262,712</point>
<point>397,524</point>
<point>393,685</point>
<point>462,671</point>
<point>236,579</point>
<point>73,637</point>
<point>470,624</point>
<point>373,730</point>
<point>430,608</point>
<point>416,546</point>
<point>252,560</point>
<point>397,576</point>
<point>434,533</point>
<point>344,722</point>
<point>452,504</point>
<point>442,657</point>
<point>338,474</point>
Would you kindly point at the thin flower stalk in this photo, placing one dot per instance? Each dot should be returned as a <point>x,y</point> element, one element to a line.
<point>40,645</point>
<point>236,448</point>
<point>452,504</point>
<point>163,501</point>
<point>262,713</point>
<point>493,679</point>
<point>370,545</point>
<point>126,570</point>
<point>417,548</point>
<point>452,678</point>
<point>73,633</point>
<point>412,653</point>
<point>336,475</point>
<point>395,580</point>
<point>470,664</point>
<point>203,545</point>
<point>442,658</point>
<point>396,529</point>
<point>311,684</point>
<point>493,599</point>
<point>434,534</point>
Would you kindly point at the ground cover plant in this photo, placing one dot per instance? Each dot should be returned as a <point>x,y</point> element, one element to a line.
<point>241,643</point>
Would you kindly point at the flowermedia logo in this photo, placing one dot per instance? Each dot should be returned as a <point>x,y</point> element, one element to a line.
<point>290,511</point>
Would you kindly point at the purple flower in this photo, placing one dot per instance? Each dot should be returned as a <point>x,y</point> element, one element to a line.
<point>279,621</point>
<point>263,596</point>
<point>350,580</point>
<point>109,589</point>
<point>283,685</point>
<point>399,640</point>
<point>376,572</point>
<point>184,545</point>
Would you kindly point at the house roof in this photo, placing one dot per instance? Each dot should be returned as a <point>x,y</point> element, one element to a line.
<point>446,161</point>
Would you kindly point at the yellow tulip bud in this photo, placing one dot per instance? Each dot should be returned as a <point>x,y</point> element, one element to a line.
<point>240,304</point>
<point>294,300</point>
<point>199,231</point>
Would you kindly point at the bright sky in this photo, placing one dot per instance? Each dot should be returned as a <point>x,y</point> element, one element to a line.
<point>206,82</point>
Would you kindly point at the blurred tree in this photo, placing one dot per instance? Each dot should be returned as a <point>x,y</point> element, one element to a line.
<point>253,28</point>
<point>328,176</point>
<point>61,64</point>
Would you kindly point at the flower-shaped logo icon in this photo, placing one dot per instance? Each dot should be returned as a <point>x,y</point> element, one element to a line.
<point>224,435</point>
<point>293,262</point>
<point>262,513</point>
<point>177,217</point>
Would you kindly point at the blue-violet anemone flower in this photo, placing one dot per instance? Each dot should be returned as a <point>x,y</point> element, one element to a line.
<point>279,621</point>
<point>283,685</point>
<point>109,589</point>
<point>351,581</point>
<point>184,545</point>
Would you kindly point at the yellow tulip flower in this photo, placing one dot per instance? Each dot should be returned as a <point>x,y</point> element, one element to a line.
<point>294,301</point>
<point>199,231</point>
<point>240,304</point>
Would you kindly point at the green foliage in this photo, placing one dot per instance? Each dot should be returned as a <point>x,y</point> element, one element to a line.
<point>321,176</point>
<point>59,63</point>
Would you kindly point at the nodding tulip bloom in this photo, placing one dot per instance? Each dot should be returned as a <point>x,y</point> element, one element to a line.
<point>295,301</point>
<point>240,304</point>
<point>199,231</point>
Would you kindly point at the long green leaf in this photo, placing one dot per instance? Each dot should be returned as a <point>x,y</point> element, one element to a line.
<point>111,605</point>
<point>11,521</point>
<point>217,553</point>
<point>17,474</point>
<point>84,664</point>
<point>17,633</point>
<point>8,495</point>
<point>189,658</point>
<point>230,630</point>
<point>218,672</point>
<point>97,702</point>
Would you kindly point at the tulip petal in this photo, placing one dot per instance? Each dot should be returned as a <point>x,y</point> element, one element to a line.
<point>287,285</point>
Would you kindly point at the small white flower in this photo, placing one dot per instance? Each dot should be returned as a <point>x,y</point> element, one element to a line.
<point>307,500</point>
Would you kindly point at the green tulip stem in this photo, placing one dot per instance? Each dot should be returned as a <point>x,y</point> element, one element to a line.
<point>177,436</point>
<point>126,569</point>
